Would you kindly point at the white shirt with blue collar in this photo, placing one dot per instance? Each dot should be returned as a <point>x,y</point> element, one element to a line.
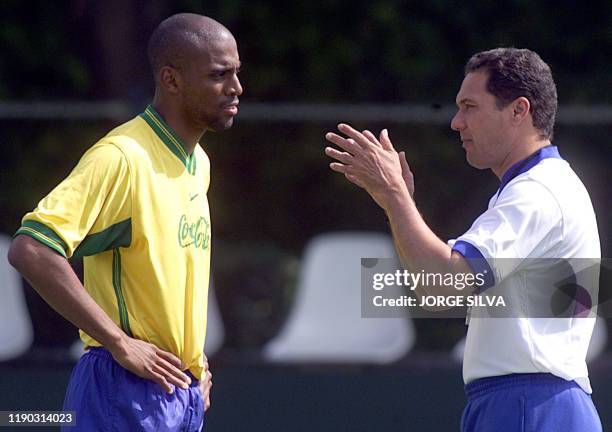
<point>541,210</point>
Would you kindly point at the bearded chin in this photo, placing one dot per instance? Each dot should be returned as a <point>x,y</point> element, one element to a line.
<point>214,123</point>
<point>220,125</point>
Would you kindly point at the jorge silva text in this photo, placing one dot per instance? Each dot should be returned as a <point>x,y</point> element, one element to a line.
<point>472,300</point>
<point>458,281</point>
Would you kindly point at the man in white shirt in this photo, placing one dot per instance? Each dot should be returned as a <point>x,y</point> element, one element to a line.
<point>527,372</point>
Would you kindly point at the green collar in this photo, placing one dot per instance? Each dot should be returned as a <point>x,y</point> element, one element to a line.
<point>170,138</point>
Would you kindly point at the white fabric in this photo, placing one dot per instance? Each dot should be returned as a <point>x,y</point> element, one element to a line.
<point>215,330</point>
<point>325,324</point>
<point>545,212</point>
<point>16,333</point>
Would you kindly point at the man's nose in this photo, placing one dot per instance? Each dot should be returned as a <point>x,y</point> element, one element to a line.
<point>235,88</point>
<point>457,123</point>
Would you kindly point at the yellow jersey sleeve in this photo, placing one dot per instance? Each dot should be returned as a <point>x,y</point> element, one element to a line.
<point>89,211</point>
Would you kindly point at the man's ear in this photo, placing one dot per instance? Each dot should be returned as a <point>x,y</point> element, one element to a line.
<point>169,79</point>
<point>520,109</point>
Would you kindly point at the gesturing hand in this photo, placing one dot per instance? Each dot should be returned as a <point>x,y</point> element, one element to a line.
<point>369,162</point>
<point>149,362</point>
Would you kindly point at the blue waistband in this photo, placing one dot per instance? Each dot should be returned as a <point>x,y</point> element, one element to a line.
<point>483,386</point>
<point>102,352</point>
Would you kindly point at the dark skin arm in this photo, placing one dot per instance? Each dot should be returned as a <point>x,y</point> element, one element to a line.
<point>53,278</point>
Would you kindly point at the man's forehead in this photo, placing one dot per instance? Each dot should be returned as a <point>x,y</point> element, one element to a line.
<point>221,54</point>
<point>224,60</point>
<point>474,86</point>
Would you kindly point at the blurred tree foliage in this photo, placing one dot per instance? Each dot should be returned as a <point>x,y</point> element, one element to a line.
<point>360,51</point>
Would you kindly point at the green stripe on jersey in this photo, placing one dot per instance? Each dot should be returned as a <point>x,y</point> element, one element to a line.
<point>117,235</point>
<point>123,314</point>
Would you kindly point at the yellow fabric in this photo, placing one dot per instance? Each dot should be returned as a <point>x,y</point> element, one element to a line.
<point>137,207</point>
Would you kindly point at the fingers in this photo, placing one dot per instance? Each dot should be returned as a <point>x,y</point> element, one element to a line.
<point>338,167</point>
<point>207,403</point>
<point>355,134</point>
<point>345,158</point>
<point>406,173</point>
<point>370,136</point>
<point>173,366</point>
<point>172,374</point>
<point>385,142</point>
<point>346,144</point>
<point>206,386</point>
<point>159,379</point>
<point>147,361</point>
<point>403,161</point>
<point>170,358</point>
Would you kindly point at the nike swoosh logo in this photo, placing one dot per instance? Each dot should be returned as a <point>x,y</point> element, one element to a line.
<point>194,197</point>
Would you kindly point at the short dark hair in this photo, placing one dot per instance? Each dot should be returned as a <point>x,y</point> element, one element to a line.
<point>174,38</point>
<point>520,72</point>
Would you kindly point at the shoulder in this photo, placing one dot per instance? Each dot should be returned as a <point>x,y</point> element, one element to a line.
<point>103,155</point>
<point>553,180</point>
<point>131,138</point>
<point>529,193</point>
<point>118,148</point>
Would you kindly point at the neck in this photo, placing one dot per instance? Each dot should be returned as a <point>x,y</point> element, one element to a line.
<point>173,116</point>
<point>520,151</point>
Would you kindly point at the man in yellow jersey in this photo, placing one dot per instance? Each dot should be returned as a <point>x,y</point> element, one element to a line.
<point>135,208</point>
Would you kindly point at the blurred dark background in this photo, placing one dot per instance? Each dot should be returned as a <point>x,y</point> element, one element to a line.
<point>271,188</point>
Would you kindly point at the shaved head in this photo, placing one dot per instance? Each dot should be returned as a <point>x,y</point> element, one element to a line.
<point>195,65</point>
<point>177,38</point>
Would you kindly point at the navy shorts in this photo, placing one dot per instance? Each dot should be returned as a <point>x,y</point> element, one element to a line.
<point>537,402</point>
<point>107,397</point>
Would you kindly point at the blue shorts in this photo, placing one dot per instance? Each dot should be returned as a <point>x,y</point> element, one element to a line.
<point>107,397</point>
<point>537,402</point>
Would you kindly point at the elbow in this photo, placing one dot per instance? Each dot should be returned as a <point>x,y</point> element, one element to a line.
<point>14,253</point>
<point>18,254</point>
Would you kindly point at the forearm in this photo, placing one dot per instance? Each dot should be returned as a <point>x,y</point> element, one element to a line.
<point>52,277</point>
<point>417,245</point>
<point>416,242</point>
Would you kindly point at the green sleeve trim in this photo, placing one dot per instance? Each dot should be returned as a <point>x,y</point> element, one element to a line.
<point>117,235</point>
<point>123,314</point>
<point>43,234</point>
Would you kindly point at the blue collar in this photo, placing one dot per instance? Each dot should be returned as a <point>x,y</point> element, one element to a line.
<point>550,151</point>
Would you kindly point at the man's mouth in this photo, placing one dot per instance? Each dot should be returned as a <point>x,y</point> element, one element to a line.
<point>231,108</point>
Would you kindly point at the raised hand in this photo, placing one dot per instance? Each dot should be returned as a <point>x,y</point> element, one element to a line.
<point>369,162</point>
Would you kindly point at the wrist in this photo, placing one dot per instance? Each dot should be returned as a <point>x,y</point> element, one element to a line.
<point>395,198</point>
<point>117,343</point>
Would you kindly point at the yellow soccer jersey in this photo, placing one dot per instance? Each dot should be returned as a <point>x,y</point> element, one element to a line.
<point>135,208</point>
